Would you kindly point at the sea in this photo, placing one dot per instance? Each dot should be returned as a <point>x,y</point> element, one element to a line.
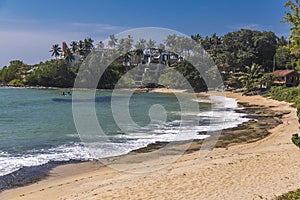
<point>37,125</point>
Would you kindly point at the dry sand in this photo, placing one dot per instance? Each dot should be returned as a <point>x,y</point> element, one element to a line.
<point>256,170</point>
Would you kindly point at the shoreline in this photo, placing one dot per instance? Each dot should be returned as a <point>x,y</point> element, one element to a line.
<point>90,166</point>
<point>32,174</point>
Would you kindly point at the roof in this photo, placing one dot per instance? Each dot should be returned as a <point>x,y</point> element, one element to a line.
<point>282,73</point>
<point>224,65</point>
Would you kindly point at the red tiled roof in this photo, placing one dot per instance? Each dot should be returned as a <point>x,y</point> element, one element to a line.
<point>224,65</point>
<point>282,73</point>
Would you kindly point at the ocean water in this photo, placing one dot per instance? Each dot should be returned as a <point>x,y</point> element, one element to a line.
<point>37,125</point>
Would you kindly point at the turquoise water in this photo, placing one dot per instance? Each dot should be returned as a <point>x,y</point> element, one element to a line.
<point>37,125</point>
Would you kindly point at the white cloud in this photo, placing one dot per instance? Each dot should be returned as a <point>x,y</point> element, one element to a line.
<point>98,27</point>
<point>30,41</point>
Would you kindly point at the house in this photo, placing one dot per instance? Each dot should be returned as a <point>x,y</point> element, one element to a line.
<point>286,77</point>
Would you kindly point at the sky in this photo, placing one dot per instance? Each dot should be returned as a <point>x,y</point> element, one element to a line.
<point>28,29</point>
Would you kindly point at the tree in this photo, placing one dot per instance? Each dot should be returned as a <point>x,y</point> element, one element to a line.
<point>141,44</point>
<point>74,46</point>
<point>81,48</point>
<point>150,44</point>
<point>171,42</point>
<point>267,79</point>
<point>112,41</point>
<point>100,45</point>
<point>250,79</point>
<point>293,17</point>
<point>265,47</point>
<point>196,37</point>
<point>283,57</point>
<point>14,73</point>
<point>56,50</point>
<point>69,57</point>
<point>88,45</point>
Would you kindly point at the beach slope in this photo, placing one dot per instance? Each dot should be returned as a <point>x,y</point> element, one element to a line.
<point>256,170</point>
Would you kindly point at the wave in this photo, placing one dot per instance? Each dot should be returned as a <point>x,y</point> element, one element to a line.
<point>222,115</point>
<point>10,163</point>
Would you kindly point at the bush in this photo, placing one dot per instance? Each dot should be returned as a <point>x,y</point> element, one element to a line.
<point>298,114</point>
<point>291,94</point>
<point>296,140</point>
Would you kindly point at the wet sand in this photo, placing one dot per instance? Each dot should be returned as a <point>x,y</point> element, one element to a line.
<point>260,169</point>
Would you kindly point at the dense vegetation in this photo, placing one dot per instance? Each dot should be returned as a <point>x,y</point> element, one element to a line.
<point>293,195</point>
<point>289,94</point>
<point>246,51</point>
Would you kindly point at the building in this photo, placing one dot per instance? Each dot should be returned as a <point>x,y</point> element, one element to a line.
<point>286,77</point>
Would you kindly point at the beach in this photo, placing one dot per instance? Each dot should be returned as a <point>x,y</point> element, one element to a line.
<point>260,169</point>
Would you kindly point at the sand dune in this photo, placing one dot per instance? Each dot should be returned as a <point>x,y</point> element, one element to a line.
<point>256,170</point>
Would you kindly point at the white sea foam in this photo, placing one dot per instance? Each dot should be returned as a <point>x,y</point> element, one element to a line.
<point>221,116</point>
<point>9,164</point>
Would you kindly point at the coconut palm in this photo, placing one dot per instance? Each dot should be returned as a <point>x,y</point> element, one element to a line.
<point>250,79</point>
<point>267,80</point>
<point>161,47</point>
<point>74,46</point>
<point>141,44</point>
<point>56,50</point>
<point>81,48</point>
<point>196,37</point>
<point>150,44</point>
<point>113,41</point>
<point>171,41</point>
<point>100,45</point>
<point>88,45</point>
<point>69,57</point>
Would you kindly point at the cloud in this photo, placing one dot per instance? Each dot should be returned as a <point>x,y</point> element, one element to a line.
<point>98,27</point>
<point>31,40</point>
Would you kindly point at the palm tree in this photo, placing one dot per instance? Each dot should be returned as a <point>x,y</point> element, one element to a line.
<point>56,50</point>
<point>113,41</point>
<point>196,37</point>
<point>150,44</point>
<point>81,48</point>
<point>74,46</point>
<point>171,41</point>
<point>141,44</point>
<point>69,57</point>
<point>251,77</point>
<point>88,45</point>
<point>100,45</point>
<point>267,79</point>
<point>161,47</point>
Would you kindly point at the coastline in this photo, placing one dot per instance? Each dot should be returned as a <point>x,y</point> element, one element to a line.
<point>183,173</point>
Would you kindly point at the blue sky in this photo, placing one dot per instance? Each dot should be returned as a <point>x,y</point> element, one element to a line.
<point>29,28</point>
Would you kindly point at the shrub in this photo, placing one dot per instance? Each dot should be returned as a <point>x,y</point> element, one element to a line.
<point>296,140</point>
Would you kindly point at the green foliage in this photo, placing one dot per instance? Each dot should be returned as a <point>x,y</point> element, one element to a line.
<point>55,50</point>
<point>293,195</point>
<point>296,140</point>
<point>283,57</point>
<point>192,76</point>
<point>53,73</point>
<point>291,94</point>
<point>15,71</point>
<point>298,113</point>
<point>293,18</point>
<point>126,82</point>
<point>242,48</point>
<point>251,78</point>
<point>16,82</point>
<point>283,93</point>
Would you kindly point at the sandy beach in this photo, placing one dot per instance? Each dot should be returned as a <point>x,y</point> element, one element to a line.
<point>256,170</point>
